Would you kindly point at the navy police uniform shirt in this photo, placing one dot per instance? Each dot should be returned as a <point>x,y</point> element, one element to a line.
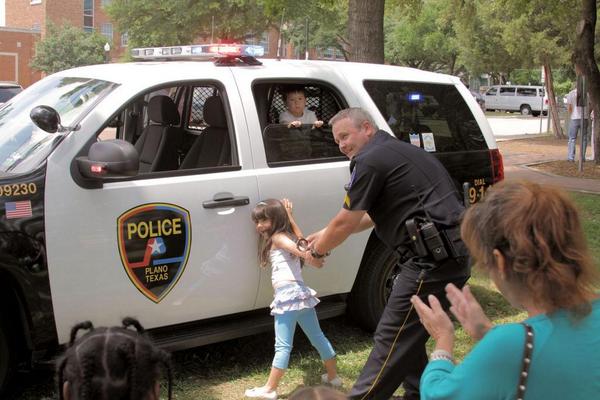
<point>394,181</point>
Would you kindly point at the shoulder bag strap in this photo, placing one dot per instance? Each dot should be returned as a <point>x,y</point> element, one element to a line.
<point>527,352</point>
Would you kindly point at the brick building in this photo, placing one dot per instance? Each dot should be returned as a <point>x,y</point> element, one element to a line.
<point>26,23</point>
<point>17,47</point>
<point>86,14</point>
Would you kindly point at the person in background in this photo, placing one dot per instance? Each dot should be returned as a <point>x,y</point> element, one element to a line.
<point>112,363</point>
<point>529,240</point>
<point>296,113</point>
<point>575,124</point>
<point>294,302</point>
<point>395,186</point>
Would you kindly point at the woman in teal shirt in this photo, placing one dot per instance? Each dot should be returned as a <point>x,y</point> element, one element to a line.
<point>529,240</point>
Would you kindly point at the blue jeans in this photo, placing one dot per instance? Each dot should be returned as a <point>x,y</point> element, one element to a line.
<point>285,325</point>
<point>574,128</point>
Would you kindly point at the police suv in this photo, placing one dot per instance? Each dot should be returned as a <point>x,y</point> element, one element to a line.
<point>126,190</point>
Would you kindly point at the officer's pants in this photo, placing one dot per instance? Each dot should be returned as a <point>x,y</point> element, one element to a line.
<point>389,363</point>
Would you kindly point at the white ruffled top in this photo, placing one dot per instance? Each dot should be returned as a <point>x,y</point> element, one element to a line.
<point>291,293</point>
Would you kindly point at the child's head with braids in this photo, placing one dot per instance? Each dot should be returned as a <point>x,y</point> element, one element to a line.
<point>115,363</point>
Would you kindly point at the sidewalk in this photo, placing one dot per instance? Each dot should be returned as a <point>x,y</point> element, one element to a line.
<point>520,164</point>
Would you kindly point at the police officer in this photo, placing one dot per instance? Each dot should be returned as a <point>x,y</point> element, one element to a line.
<point>392,183</point>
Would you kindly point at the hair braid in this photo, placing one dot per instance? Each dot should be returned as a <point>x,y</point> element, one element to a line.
<point>112,363</point>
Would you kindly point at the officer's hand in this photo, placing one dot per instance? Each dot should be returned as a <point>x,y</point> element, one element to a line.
<point>467,311</point>
<point>436,321</point>
<point>313,237</point>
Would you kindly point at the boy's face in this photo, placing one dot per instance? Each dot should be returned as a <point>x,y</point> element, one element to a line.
<point>295,103</point>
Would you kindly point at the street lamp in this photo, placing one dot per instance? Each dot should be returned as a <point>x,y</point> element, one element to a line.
<point>106,52</point>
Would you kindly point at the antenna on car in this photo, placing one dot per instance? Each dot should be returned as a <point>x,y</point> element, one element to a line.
<point>279,38</point>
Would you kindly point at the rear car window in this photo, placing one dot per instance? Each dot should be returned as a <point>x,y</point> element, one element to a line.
<point>306,144</point>
<point>433,116</point>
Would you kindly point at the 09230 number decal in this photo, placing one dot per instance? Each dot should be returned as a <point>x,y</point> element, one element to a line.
<point>18,189</point>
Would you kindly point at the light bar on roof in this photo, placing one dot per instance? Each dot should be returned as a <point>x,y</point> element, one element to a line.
<point>192,52</point>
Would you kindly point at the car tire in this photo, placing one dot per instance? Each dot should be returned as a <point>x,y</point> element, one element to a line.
<point>373,285</point>
<point>525,109</point>
<point>6,356</point>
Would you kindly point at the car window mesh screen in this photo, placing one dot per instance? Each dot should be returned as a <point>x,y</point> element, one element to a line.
<point>425,113</point>
<point>318,99</point>
<point>199,96</point>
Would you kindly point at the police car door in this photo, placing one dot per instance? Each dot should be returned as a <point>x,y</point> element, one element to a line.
<point>166,247</point>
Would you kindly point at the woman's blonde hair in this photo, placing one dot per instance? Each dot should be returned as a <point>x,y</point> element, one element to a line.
<point>539,233</point>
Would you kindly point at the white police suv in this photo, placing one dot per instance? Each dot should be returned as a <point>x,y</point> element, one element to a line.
<point>126,190</point>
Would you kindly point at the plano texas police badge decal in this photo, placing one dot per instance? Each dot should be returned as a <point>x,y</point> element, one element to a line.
<point>154,244</point>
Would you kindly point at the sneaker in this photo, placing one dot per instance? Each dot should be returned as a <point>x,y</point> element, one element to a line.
<point>260,393</point>
<point>335,382</point>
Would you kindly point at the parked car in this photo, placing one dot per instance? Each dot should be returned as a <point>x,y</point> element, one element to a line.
<point>126,189</point>
<point>528,100</point>
<point>479,99</point>
<point>8,90</point>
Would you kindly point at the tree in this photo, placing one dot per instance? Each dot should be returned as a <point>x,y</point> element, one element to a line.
<point>583,56</point>
<point>173,22</point>
<point>365,31</point>
<point>545,26</point>
<point>326,21</point>
<point>67,47</point>
<point>516,33</point>
<point>422,39</point>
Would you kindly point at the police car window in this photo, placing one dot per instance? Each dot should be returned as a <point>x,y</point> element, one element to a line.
<point>306,144</point>
<point>23,146</point>
<point>170,132</point>
<point>195,119</point>
<point>432,116</point>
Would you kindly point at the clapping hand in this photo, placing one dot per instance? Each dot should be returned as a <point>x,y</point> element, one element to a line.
<point>467,311</point>
<point>436,321</point>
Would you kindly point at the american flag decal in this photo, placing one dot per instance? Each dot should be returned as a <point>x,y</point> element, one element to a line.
<point>18,209</point>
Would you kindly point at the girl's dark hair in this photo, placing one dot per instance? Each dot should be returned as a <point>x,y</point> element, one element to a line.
<point>538,231</point>
<point>115,363</point>
<point>273,210</point>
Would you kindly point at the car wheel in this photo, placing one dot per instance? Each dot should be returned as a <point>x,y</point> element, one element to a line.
<point>6,356</point>
<point>525,109</point>
<point>373,285</point>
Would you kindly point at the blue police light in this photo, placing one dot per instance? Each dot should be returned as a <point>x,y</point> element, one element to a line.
<point>414,97</point>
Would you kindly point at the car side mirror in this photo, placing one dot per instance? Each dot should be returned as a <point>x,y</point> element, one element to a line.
<point>47,119</point>
<point>109,159</point>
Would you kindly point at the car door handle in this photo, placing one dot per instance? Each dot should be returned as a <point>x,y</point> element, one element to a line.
<point>226,199</point>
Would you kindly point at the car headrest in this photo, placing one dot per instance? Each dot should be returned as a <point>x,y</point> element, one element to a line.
<point>162,109</point>
<point>214,113</point>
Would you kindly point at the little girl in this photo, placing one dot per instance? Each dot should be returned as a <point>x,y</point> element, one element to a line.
<point>294,302</point>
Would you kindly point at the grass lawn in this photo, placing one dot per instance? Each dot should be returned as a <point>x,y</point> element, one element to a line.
<point>224,370</point>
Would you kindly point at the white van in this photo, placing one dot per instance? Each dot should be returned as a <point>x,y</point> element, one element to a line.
<point>528,100</point>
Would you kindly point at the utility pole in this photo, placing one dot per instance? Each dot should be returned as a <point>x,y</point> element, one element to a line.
<point>306,53</point>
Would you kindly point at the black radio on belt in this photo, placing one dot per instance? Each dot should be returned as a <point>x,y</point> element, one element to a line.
<point>426,239</point>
